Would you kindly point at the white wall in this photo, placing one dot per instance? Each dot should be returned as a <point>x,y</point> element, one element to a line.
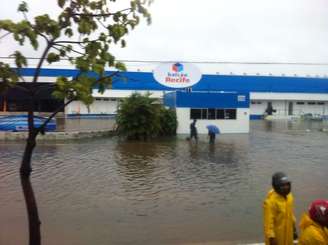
<point>258,107</point>
<point>280,102</point>
<point>240,125</point>
<point>102,106</point>
<point>288,96</point>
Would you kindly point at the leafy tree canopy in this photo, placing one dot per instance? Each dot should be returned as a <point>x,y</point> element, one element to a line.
<point>83,33</point>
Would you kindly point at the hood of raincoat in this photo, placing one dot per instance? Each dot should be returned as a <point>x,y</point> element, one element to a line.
<point>312,232</point>
<point>306,221</point>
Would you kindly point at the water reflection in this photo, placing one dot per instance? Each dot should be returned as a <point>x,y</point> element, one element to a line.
<point>268,125</point>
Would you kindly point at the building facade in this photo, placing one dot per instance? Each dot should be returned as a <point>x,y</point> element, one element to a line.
<point>288,96</point>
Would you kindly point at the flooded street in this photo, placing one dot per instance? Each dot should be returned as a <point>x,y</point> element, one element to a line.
<point>108,191</point>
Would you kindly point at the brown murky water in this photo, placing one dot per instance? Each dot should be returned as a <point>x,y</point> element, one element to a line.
<point>107,191</point>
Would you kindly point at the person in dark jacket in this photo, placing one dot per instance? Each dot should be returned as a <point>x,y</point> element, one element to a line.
<point>211,135</point>
<point>193,130</point>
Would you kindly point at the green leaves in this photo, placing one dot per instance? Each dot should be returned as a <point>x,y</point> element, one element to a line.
<point>83,32</point>
<point>22,7</point>
<point>120,66</point>
<point>53,57</point>
<point>138,117</point>
<point>141,117</point>
<point>20,30</point>
<point>20,60</point>
<point>61,3</point>
<point>117,31</point>
<point>44,24</point>
<point>8,77</point>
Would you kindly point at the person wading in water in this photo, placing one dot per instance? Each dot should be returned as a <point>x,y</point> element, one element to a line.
<point>193,130</point>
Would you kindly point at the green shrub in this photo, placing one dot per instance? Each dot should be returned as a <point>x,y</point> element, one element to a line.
<point>168,121</point>
<point>140,117</point>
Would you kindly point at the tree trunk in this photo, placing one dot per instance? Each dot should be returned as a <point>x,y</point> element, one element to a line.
<point>30,201</point>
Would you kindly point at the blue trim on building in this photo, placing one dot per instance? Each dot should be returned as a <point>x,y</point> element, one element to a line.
<point>256,117</point>
<point>146,81</point>
<point>170,99</point>
<point>207,100</point>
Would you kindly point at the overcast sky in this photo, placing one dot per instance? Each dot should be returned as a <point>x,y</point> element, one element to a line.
<point>220,30</point>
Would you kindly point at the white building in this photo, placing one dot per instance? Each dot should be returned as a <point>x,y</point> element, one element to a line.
<point>289,96</point>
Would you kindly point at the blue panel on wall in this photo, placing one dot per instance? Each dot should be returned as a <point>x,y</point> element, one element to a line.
<point>256,117</point>
<point>146,81</point>
<point>170,99</point>
<point>212,100</point>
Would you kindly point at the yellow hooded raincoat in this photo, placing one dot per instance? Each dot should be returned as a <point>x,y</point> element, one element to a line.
<point>312,233</point>
<point>279,218</point>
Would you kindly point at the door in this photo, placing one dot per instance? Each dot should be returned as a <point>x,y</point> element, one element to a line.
<point>290,108</point>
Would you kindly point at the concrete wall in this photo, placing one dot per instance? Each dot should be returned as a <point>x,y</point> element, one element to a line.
<point>99,106</point>
<point>302,103</point>
<point>299,107</point>
<point>240,125</point>
<point>107,104</point>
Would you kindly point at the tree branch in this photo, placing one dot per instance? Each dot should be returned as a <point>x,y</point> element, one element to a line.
<point>44,124</point>
<point>35,29</point>
<point>71,42</point>
<point>99,15</point>
<point>4,35</point>
<point>80,53</point>
<point>41,128</point>
<point>38,68</point>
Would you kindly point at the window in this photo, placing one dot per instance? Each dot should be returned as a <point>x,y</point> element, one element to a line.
<point>321,103</point>
<point>300,103</point>
<point>230,114</point>
<point>195,113</point>
<point>311,103</point>
<point>204,113</point>
<point>212,114</point>
<point>219,114</point>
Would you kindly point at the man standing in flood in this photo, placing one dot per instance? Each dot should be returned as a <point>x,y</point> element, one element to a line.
<point>193,130</point>
<point>279,219</point>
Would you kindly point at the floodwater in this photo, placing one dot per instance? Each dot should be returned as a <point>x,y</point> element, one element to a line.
<point>107,191</point>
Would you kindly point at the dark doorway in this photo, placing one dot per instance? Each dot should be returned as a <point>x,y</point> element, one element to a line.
<point>290,108</point>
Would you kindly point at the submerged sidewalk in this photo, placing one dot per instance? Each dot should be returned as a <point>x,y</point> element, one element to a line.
<point>73,135</point>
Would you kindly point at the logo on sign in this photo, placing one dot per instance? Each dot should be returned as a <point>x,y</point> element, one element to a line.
<point>177,75</point>
<point>177,67</point>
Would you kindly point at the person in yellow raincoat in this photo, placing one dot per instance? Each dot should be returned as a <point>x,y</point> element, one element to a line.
<point>279,219</point>
<point>314,224</point>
